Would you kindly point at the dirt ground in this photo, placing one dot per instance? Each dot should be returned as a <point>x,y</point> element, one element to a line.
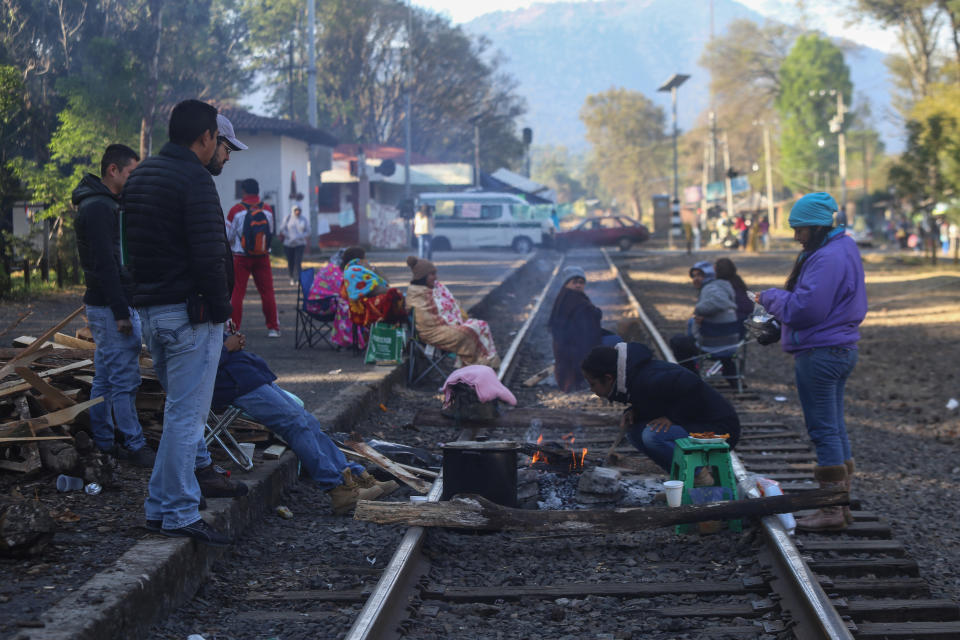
<point>904,438</point>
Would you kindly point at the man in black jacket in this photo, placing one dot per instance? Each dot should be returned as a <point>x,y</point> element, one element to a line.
<point>114,324</point>
<point>176,254</point>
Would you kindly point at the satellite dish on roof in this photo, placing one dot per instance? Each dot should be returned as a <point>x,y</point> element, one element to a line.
<point>386,168</point>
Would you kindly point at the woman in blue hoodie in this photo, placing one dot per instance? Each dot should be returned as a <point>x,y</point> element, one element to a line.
<point>667,401</point>
<point>820,310</point>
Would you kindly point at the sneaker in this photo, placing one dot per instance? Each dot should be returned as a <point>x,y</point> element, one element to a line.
<point>273,333</point>
<point>156,526</point>
<point>215,483</point>
<point>200,531</point>
<point>293,282</point>
<point>142,457</point>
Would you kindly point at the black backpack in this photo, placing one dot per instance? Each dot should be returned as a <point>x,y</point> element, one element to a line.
<point>256,237</point>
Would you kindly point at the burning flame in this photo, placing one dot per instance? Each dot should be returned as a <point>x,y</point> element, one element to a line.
<point>538,456</point>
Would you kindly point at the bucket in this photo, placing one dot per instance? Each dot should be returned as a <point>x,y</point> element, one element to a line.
<point>488,469</point>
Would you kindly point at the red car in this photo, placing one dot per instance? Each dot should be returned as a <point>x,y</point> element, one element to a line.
<point>603,231</point>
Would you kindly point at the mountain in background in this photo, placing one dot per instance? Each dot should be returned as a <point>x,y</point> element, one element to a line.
<point>562,52</point>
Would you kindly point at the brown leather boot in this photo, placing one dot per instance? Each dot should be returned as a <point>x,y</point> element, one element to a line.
<point>826,518</point>
<point>366,480</point>
<point>851,469</point>
<point>344,497</point>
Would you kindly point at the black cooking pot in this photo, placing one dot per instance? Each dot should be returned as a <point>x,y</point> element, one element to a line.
<point>485,468</point>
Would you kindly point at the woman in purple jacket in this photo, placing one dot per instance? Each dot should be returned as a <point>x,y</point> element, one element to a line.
<point>820,310</point>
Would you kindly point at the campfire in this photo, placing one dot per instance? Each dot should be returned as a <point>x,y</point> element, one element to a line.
<point>561,457</point>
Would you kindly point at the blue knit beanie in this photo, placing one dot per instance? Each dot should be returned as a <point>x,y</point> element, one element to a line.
<point>813,210</point>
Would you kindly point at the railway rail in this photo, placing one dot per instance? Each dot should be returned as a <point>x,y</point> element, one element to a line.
<point>794,581</point>
<point>762,583</point>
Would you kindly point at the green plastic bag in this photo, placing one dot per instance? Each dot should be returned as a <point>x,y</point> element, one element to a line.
<point>385,345</point>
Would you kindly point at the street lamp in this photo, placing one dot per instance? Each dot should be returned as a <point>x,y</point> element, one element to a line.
<point>671,85</point>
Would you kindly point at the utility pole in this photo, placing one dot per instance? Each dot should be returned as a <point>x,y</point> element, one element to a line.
<point>768,161</point>
<point>363,196</point>
<point>842,143</point>
<point>866,180</point>
<point>313,151</point>
<point>476,151</point>
<point>727,185</point>
<point>406,105</point>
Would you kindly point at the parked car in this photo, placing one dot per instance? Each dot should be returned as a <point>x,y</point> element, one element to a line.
<point>863,238</point>
<point>604,231</point>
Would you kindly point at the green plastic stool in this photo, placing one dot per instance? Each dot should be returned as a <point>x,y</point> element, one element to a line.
<point>688,456</point>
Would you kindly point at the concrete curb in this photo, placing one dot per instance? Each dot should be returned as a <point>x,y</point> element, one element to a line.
<point>157,574</point>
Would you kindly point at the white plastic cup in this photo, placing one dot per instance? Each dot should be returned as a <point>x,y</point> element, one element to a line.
<point>248,448</point>
<point>674,491</point>
<point>69,483</point>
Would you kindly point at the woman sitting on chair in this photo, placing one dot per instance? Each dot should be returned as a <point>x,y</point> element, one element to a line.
<point>325,291</point>
<point>441,322</point>
<point>716,305</point>
<point>369,295</point>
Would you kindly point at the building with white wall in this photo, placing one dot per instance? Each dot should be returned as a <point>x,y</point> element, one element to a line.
<point>278,155</point>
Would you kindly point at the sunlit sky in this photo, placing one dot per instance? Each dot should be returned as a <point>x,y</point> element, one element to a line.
<point>822,14</point>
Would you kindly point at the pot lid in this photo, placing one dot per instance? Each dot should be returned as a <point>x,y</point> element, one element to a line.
<point>489,445</point>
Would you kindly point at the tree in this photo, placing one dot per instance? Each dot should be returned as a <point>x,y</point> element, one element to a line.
<point>369,52</point>
<point>556,168</point>
<point>744,65</point>
<point>918,24</point>
<point>810,76</point>
<point>630,151</point>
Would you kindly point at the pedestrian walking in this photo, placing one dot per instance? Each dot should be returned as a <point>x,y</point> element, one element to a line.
<point>176,252</point>
<point>294,234</point>
<point>250,229</point>
<point>820,309</point>
<point>113,322</point>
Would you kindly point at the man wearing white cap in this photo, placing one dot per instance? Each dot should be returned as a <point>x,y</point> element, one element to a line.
<point>226,142</point>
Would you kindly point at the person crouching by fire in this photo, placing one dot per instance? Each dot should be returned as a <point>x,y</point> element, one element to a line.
<point>667,401</point>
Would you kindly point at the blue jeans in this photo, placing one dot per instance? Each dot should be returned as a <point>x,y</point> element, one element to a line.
<point>185,357</point>
<point>657,445</point>
<point>821,376</point>
<point>423,246</point>
<point>116,379</point>
<point>270,406</point>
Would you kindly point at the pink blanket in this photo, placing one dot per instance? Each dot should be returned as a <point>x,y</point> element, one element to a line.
<point>484,381</point>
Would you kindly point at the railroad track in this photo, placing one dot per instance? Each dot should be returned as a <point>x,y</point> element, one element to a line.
<point>858,584</point>
<point>649,584</point>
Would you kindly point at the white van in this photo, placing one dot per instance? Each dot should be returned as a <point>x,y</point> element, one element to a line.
<point>485,219</point>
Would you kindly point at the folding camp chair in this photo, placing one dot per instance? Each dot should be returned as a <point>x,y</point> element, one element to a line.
<point>314,325</point>
<point>217,429</point>
<point>436,361</point>
<point>724,341</point>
